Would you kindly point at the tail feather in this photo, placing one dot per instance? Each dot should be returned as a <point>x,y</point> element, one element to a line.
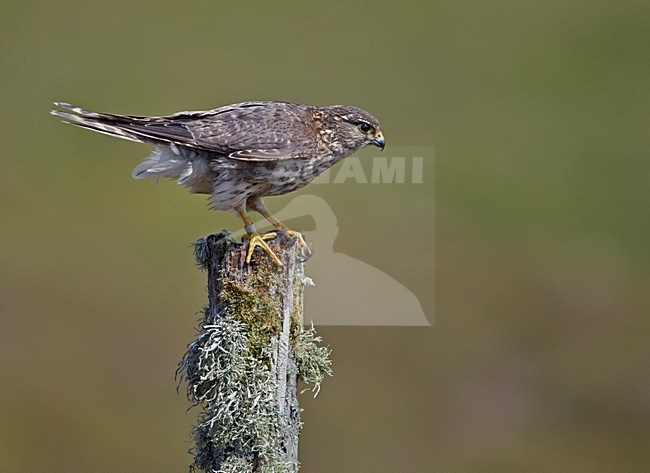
<point>100,122</point>
<point>81,111</point>
<point>150,130</point>
<point>174,156</point>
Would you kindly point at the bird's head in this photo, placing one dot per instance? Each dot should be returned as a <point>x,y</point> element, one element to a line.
<point>353,128</point>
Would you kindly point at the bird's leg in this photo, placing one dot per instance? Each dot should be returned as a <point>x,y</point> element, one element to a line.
<point>256,239</point>
<point>257,204</point>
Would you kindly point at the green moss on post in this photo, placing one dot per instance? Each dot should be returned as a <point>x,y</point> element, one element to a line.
<point>243,368</point>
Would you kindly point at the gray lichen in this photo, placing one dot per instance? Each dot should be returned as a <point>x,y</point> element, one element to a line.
<point>313,361</point>
<point>237,394</point>
<point>202,251</point>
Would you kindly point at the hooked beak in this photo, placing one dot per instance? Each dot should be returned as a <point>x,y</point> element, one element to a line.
<point>379,140</point>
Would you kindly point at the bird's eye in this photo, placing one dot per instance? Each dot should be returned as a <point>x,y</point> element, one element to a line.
<point>365,128</point>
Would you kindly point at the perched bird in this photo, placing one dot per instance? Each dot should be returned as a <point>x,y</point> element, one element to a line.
<point>241,153</point>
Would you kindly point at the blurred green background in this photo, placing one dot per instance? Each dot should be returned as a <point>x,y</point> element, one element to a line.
<point>538,360</point>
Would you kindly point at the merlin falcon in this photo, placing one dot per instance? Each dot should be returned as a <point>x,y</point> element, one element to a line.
<point>241,153</point>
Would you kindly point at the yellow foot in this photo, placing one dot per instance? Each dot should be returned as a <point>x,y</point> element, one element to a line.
<point>298,235</point>
<point>305,250</point>
<point>254,240</point>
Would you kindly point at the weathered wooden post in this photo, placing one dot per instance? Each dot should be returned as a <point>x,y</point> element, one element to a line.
<point>251,350</point>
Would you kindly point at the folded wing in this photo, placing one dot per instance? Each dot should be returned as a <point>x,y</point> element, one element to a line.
<point>250,131</point>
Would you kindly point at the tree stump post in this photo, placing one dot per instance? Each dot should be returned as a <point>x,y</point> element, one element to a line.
<point>251,349</point>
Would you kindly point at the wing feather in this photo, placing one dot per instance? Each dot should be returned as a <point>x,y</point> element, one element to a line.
<point>250,131</point>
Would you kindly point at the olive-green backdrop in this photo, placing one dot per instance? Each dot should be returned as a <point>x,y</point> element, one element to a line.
<point>538,112</point>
